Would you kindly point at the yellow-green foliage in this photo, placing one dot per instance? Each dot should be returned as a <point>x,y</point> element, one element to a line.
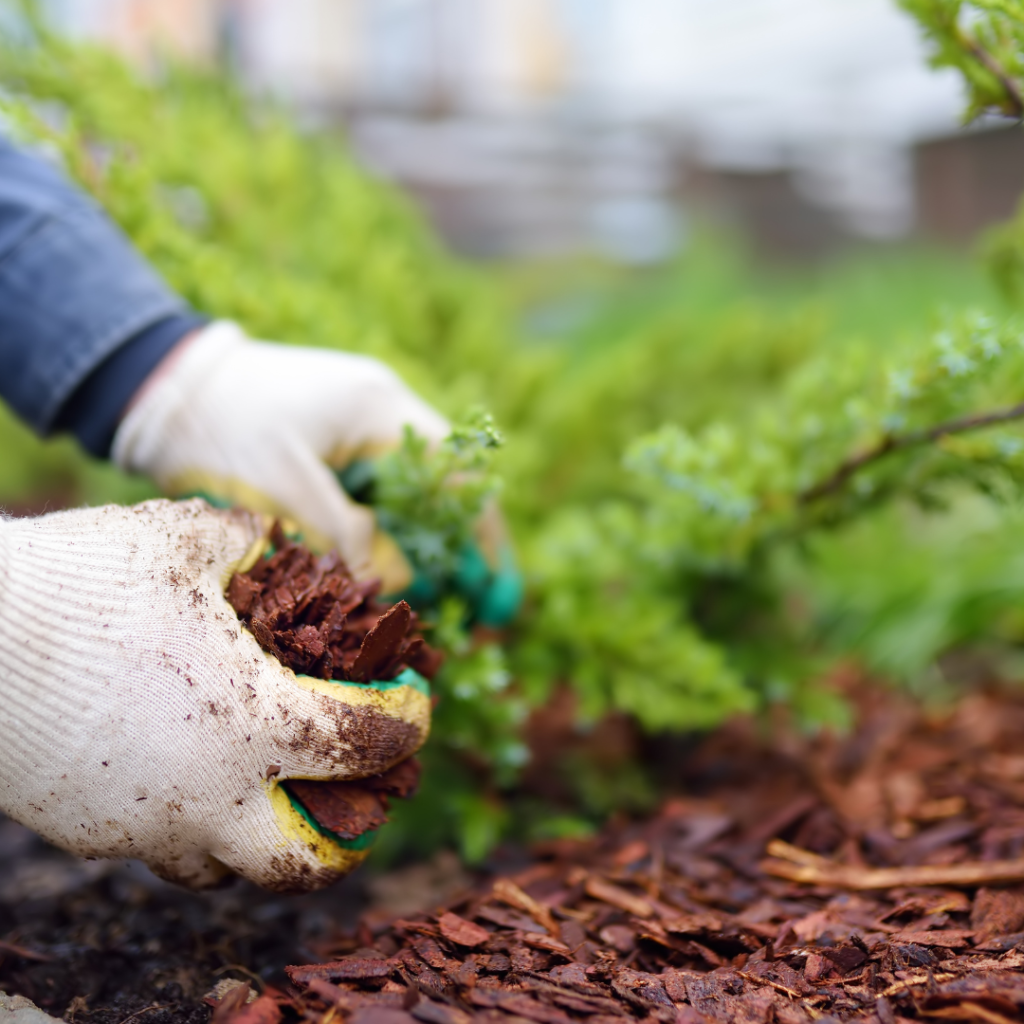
<point>249,219</point>
<point>984,41</point>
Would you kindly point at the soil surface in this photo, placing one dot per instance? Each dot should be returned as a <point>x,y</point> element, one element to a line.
<point>879,877</point>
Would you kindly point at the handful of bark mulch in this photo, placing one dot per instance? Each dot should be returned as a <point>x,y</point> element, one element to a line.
<point>874,878</point>
<point>315,618</point>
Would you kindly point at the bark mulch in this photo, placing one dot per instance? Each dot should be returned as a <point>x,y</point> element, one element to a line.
<point>316,618</point>
<point>312,615</point>
<point>878,877</point>
<point>875,879</point>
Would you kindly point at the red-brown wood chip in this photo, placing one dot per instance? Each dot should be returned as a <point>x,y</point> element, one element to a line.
<point>350,809</point>
<point>351,968</point>
<point>345,808</point>
<point>382,644</point>
<point>462,932</point>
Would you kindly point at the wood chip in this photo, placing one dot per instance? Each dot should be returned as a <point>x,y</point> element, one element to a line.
<point>462,932</point>
<point>843,876</point>
<point>617,897</point>
<point>382,643</point>
<point>949,938</point>
<point>508,892</point>
<point>349,969</point>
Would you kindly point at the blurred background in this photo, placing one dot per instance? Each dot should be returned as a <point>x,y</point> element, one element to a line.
<point>536,127</point>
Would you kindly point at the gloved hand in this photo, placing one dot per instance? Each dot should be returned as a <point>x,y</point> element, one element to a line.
<point>264,426</point>
<point>137,717</point>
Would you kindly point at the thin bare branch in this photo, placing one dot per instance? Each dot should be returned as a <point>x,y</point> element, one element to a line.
<point>797,865</point>
<point>836,480</point>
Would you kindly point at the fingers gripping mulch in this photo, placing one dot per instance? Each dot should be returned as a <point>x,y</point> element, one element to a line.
<point>893,896</point>
<point>318,620</point>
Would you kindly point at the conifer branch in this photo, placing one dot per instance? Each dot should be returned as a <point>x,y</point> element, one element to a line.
<point>900,442</point>
<point>1010,88</point>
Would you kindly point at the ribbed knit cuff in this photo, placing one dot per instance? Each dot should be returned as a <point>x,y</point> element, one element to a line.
<point>94,410</point>
<point>5,561</point>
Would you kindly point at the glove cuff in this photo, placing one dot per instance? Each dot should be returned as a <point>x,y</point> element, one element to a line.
<point>5,561</point>
<point>144,433</point>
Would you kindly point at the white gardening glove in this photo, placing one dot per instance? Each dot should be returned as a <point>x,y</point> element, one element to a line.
<point>139,719</point>
<point>263,426</point>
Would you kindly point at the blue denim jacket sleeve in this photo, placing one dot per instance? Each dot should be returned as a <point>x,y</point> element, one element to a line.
<point>83,318</point>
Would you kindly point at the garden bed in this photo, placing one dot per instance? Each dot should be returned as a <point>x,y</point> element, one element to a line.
<point>878,877</point>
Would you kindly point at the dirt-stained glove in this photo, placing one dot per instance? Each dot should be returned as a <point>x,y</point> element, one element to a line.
<point>138,719</point>
<point>264,426</point>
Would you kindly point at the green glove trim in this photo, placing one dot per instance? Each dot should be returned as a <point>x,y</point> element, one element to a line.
<point>210,500</point>
<point>407,677</point>
<point>503,598</point>
<point>493,594</point>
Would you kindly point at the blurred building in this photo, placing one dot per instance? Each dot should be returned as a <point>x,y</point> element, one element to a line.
<point>968,181</point>
<point>140,28</point>
<point>528,126</point>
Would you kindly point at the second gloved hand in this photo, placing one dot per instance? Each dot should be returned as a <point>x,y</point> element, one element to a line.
<point>264,426</point>
<point>139,719</point>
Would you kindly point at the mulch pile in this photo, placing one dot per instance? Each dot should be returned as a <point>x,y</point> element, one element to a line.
<point>318,620</point>
<point>871,879</point>
<point>754,897</point>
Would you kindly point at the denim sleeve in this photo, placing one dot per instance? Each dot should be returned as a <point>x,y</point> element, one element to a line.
<point>83,318</point>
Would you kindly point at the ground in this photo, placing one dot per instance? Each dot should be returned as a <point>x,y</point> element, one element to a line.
<point>874,877</point>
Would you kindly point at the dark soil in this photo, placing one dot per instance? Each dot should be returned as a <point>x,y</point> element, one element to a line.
<point>318,620</point>
<point>100,941</point>
<point>878,877</point>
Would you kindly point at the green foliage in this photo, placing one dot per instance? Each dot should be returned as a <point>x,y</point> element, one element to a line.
<point>672,605</point>
<point>846,433</point>
<point>926,599</point>
<point>610,622</point>
<point>428,501</point>
<point>984,41</point>
<point>703,340</point>
<point>849,434</point>
<point>981,39</point>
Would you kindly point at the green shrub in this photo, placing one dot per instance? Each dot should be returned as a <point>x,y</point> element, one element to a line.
<point>715,483</point>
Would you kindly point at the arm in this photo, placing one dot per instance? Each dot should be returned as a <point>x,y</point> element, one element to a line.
<point>88,331</point>
<point>91,343</point>
<point>83,318</point>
